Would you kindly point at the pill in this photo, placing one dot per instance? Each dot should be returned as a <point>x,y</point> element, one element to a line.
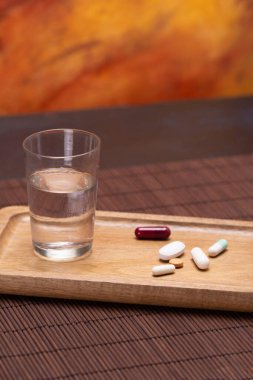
<point>177,262</point>
<point>171,250</point>
<point>218,247</point>
<point>200,258</point>
<point>152,232</point>
<point>160,270</point>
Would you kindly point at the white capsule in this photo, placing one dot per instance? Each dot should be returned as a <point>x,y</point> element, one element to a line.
<point>200,258</point>
<point>218,247</point>
<point>160,270</point>
<point>174,249</point>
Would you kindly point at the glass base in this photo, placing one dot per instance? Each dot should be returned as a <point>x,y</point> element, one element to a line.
<point>62,251</point>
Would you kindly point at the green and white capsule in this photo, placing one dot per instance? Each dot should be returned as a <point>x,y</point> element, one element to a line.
<point>218,247</point>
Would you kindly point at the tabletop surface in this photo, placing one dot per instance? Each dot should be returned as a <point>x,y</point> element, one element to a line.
<point>62,339</point>
<point>141,135</point>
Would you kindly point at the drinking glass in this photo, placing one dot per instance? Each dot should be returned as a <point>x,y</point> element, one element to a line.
<point>61,170</point>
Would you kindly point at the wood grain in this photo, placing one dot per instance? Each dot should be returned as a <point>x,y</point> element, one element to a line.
<point>119,268</point>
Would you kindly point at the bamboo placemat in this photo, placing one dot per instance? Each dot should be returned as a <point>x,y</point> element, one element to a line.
<point>58,339</point>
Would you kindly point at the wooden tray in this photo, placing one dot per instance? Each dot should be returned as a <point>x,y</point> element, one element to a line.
<point>119,269</point>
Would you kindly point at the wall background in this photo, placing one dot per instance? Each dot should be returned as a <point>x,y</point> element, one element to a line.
<point>86,53</point>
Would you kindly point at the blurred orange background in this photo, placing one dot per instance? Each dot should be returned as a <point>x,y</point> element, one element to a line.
<point>72,54</point>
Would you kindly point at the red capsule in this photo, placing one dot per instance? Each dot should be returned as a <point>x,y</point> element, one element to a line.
<point>152,232</point>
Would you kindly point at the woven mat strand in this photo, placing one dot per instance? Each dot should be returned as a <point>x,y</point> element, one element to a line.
<point>218,188</point>
<point>59,339</point>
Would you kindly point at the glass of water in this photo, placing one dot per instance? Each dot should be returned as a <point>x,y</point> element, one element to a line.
<point>61,170</point>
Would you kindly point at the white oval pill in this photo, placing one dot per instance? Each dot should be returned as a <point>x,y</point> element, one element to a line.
<point>218,247</point>
<point>160,270</point>
<point>174,249</point>
<point>200,258</point>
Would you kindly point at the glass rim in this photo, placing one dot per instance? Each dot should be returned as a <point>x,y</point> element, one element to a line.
<point>87,133</point>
